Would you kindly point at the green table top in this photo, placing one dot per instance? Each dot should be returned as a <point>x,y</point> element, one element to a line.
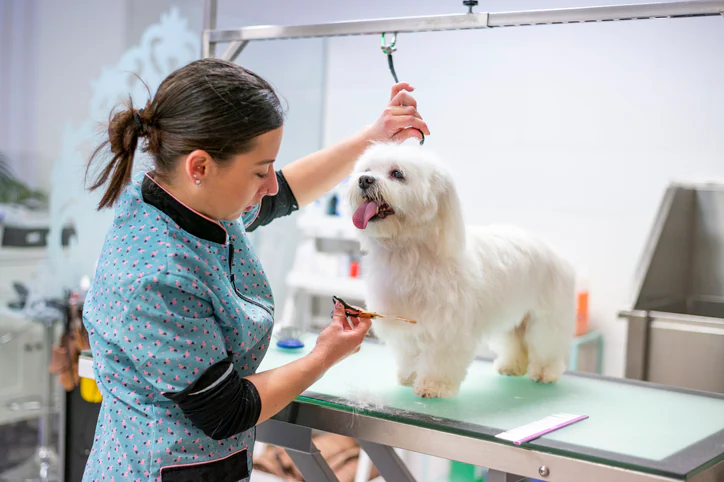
<point>636,425</point>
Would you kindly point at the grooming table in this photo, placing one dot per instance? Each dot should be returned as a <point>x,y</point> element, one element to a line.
<point>637,431</point>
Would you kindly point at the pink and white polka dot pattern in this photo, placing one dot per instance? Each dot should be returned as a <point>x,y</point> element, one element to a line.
<point>162,309</point>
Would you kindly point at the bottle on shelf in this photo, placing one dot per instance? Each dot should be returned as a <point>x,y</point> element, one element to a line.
<point>582,294</point>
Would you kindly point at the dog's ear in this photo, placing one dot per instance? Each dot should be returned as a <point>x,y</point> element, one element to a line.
<point>450,219</point>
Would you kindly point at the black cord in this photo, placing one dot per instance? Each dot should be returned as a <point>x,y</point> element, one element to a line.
<point>392,67</point>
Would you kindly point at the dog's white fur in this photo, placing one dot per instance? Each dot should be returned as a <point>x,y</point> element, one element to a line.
<point>460,285</point>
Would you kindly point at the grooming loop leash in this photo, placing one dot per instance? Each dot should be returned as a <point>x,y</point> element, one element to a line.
<point>388,50</point>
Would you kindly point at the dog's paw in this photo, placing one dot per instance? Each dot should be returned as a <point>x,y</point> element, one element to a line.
<point>546,373</point>
<point>430,388</point>
<point>406,379</point>
<point>512,368</point>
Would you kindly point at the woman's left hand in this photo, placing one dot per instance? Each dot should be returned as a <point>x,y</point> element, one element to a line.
<point>400,119</point>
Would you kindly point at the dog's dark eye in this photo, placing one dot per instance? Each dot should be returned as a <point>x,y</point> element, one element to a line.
<point>397,174</point>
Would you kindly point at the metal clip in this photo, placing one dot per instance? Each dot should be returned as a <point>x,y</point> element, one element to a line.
<point>470,4</point>
<point>388,49</point>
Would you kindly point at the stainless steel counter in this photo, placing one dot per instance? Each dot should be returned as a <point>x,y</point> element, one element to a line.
<point>676,315</point>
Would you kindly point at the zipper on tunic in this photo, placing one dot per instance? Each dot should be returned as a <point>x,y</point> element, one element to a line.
<point>233,283</point>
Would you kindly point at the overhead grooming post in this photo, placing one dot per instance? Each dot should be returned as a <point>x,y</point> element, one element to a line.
<point>208,48</point>
<point>233,50</point>
<point>469,21</point>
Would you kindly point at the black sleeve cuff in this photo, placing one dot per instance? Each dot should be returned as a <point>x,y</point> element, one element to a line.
<point>220,402</point>
<point>272,207</point>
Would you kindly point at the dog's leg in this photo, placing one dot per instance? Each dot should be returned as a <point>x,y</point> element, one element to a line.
<point>442,369</point>
<point>406,355</point>
<point>404,347</point>
<point>512,351</point>
<point>551,326</point>
<point>548,345</point>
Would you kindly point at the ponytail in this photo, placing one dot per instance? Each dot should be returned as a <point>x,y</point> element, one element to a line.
<point>209,104</point>
<point>124,129</point>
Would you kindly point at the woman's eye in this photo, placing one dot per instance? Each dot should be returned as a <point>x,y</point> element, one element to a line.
<point>397,174</point>
<point>263,176</point>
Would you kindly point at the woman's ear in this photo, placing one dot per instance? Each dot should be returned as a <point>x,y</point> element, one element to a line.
<point>197,164</point>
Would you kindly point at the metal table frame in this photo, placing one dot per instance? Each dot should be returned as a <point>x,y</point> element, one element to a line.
<point>543,459</point>
<point>238,38</point>
<point>292,430</point>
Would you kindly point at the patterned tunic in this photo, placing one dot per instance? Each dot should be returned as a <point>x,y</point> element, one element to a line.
<point>174,292</point>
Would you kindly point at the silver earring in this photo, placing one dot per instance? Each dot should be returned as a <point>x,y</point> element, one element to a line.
<point>198,183</point>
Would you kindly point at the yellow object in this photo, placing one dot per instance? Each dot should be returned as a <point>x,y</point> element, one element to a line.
<point>89,391</point>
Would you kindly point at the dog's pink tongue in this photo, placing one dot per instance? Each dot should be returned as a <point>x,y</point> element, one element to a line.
<point>363,214</point>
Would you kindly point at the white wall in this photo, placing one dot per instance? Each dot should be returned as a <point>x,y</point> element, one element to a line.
<point>18,86</point>
<point>573,131</point>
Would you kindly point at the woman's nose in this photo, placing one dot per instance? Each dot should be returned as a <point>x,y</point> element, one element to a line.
<point>273,185</point>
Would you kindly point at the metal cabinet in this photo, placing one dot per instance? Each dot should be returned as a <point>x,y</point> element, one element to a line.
<point>22,354</point>
<point>676,318</point>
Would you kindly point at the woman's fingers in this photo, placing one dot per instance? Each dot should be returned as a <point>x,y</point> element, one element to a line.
<point>400,87</point>
<point>363,325</point>
<point>395,110</point>
<point>339,315</point>
<point>397,123</point>
<point>399,115</point>
<point>354,320</point>
<point>403,99</point>
<point>405,134</point>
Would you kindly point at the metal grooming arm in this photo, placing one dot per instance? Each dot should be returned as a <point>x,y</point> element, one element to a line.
<point>239,38</point>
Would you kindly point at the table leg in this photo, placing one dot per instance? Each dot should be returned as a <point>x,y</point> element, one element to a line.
<point>573,358</point>
<point>312,466</point>
<point>297,441</point>
<point>386,460</point>
<point>599,354</point>
<point>497,476</point>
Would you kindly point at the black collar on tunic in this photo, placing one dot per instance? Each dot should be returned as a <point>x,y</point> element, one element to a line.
<point>188,219</point>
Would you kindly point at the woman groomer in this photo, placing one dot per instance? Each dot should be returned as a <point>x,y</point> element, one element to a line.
<point>180,310</point>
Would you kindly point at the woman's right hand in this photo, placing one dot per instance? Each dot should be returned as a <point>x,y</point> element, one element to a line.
<point>279,386</point>
<point>339,339</point>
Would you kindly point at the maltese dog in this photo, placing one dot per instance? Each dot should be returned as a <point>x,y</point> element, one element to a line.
<point>461,285</point>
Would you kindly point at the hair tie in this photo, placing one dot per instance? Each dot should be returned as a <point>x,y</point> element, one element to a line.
<point>137,118</point>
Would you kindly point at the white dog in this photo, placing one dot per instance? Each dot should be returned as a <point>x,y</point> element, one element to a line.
<point>495,282</point>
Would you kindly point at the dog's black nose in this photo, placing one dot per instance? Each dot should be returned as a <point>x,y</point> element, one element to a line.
<point>366,181</point>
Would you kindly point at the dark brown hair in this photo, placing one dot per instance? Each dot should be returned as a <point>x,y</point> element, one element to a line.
<point>210,104</point>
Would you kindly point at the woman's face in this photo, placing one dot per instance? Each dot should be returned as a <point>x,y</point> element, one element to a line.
<point>227,190</point>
